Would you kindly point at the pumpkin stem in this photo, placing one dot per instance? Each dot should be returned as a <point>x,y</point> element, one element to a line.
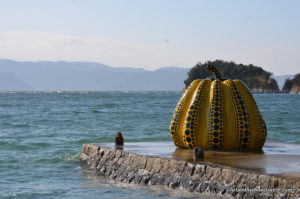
<point>215,72</point>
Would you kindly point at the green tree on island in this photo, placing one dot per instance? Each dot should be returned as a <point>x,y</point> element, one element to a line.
<point>253,76</point>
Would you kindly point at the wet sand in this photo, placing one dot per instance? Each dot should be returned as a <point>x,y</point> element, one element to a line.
<point>276,158</point>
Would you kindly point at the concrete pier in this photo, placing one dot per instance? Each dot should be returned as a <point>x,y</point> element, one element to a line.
<point>227,174</point>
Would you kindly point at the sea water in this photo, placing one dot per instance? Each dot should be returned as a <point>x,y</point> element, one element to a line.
<point>41,135</point>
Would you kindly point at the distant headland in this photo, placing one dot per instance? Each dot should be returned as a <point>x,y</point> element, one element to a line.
<point>257,79</point>
<point>293,85</point>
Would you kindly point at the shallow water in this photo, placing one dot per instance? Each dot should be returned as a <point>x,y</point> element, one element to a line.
<point>41,134</point>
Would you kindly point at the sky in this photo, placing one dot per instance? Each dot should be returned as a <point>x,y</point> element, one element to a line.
<point>153,33</point>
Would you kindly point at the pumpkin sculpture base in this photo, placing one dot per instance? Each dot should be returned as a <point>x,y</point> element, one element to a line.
<point>226,173</point>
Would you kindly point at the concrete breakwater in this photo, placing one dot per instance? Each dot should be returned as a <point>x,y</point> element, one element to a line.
<point>198,177</point>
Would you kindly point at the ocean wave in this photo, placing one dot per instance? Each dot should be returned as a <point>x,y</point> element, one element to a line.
<point>16,125</point>
<point>40,144</point>
<point>279,147</point>
<point>70,157</point>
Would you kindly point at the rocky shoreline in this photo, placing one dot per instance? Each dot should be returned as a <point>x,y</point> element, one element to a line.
<point>199,177</point>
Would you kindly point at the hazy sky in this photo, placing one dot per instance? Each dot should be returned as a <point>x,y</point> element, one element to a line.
<point>153,33</point>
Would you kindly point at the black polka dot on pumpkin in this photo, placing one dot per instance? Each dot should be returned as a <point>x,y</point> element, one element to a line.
<point>216,140</point>
<point>187,125</point>
<point>188,139</point>
<point>216,127</point>
<point>216,114</point>
<point>216,120</point>
<point>245,139</point>
<point>187,132</point>
<point>216,133</point>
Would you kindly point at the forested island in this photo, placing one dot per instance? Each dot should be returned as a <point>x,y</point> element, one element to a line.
<point>292,85</point>
<point>257,79</point>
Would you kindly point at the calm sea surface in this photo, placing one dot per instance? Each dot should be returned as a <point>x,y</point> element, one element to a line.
<point>41,135</point>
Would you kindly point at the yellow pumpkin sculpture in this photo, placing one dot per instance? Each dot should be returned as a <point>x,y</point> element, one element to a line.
<point>218,114</point>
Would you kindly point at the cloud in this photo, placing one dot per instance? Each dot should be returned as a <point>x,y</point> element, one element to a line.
<point>37,46</point>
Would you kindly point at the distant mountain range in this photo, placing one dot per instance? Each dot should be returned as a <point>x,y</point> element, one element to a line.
<point>86,76</point>
<point>91,76</point>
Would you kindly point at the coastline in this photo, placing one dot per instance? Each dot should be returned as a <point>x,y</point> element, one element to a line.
<point>203,177</point>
